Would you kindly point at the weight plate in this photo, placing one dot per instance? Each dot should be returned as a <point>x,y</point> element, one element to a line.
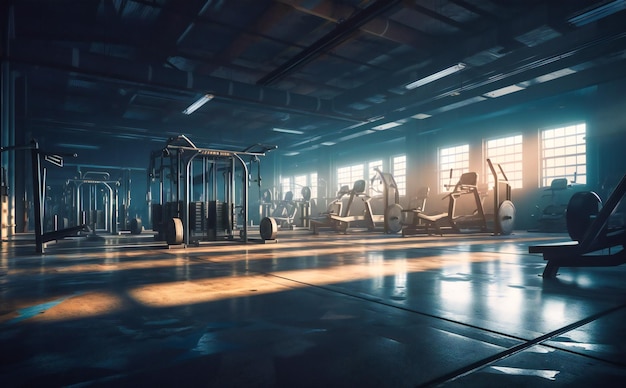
<point>506,217</point>
<point>174,231</point>
<point>393,218</point>
<point>135,226</point>
<point>268,228</point>
<point>581,209</point>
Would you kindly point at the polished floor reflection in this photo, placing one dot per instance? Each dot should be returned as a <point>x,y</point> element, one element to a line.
<point>363,309</point>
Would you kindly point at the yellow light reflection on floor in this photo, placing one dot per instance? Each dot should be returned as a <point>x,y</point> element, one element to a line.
<point>208,290</point>
<point>116,261</point>
<point>343,261</point>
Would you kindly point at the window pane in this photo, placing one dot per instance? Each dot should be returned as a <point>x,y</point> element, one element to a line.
<point>399,173</point>
<point>455,158</point>
<point>565,157</point>
<point>346,176</point>
<point>507,152</point>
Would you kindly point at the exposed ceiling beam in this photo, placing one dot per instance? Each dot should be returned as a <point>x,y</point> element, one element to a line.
<point>108,68</point>
<point>342,32</point>
<point>379,26</point>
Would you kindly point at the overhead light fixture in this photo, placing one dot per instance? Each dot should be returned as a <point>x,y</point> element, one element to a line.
<point>386,126</point>
<point>79,146</point>
<point>355,135</point>
<point>292,153</point>
<point>283,130</point>
<point>555,74</point>
<point>435,76</point>
<point>421,116</point>
<point>503,91</point>
<point>598,13</point>
<point>328,143</point>
<point>196,105</point>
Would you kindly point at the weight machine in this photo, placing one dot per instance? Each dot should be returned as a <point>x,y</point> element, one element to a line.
<point>95,195</point>
<point>391,219</point>
<point>503,209</point>
<point>198,196</point>
<point>289,212</point>
<point>335,207</point>
<point>596,240</point>
<point>552,217</point>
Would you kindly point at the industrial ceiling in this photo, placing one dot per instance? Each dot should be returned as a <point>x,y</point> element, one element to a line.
<point>300,74</point>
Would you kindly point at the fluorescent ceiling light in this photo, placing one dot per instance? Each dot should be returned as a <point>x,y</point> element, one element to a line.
<point>283,130</point>
<point>598,13</point>
<point>355,135</point>
<point>555,74</point>
<point>196,105</point>
<point>328,143</point>
<point>436,76</point>
<point>386,126</point>
<point>303,142</point>
<point>78,146</point>
<point>375,118</point>
<point>421,116</point>
<point>502,91</point>
<point>292,153</point>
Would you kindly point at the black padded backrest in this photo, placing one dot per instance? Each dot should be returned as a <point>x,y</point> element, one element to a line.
<point>289,196</point>
<point>469,179</point>
<point>306,193</point>
<point>359,186</point>
<point>423,192</point>
<point>559,184</point>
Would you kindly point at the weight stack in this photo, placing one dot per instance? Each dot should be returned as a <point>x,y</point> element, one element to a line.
<point>230,216</point>
<point>215,219</point>
<point>197,216</point>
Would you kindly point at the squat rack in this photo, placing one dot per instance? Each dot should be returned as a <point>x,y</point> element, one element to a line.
<point>177,158</point>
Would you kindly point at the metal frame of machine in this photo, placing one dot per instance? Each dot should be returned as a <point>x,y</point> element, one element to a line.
<point>595,243</point>
<point>175,162</point>
<point>503,208</point>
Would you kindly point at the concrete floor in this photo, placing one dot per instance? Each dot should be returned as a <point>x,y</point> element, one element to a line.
<point>331,310</point>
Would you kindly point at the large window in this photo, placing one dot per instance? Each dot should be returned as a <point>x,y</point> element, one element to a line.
<point>296,183</point>
<point>564,154</point>
<point>455,159</point>
<point>507,152</point>
<point>399,173</point>
<point>348,175</point>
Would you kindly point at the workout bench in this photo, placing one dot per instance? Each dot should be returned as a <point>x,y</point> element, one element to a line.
<point>588,248</point>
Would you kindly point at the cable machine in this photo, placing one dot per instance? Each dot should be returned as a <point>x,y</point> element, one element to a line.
<point>96,198</point>
<point>199,196</point>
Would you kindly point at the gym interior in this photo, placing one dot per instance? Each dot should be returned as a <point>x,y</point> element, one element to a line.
<point>287,193</point>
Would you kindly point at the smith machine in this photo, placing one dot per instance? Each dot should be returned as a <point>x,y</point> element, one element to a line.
<point>198,197</point>
<point>39,194</point>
